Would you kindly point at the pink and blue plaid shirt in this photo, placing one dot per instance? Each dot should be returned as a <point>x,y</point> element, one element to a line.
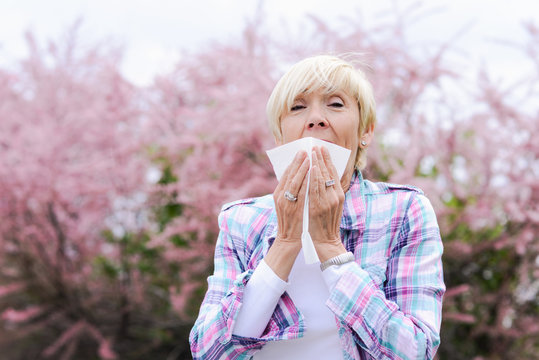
<point>388,307</point>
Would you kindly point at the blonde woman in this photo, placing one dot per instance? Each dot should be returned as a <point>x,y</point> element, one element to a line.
<point>377,291</point>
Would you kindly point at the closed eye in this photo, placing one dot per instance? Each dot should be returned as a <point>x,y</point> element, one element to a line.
<point>336,104</point>
<point>297,107</point>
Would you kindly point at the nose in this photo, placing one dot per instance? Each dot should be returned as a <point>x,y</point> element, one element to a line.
<point>322,123</point>
<point>316,119</point>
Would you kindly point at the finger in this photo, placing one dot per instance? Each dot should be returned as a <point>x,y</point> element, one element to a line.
<point>326,175</point>
<point>291,169</point>
<point>316,189</point>
<point>302,174</point>
<point>332,171</point>
<point>299,179</point>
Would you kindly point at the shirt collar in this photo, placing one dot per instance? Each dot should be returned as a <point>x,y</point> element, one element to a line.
<point>354,204</point>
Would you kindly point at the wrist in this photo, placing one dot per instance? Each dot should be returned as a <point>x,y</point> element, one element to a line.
<point>281,257</point>
<point>327,251</point>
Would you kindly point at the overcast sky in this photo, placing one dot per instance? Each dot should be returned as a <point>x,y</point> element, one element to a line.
<point>153,31</point>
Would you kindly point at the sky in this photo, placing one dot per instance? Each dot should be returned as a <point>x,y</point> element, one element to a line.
<point>154,32</point>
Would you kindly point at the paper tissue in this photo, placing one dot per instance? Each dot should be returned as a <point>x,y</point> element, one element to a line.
<point>283,156</point>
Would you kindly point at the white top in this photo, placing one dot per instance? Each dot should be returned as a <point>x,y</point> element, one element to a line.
<point>308,288</point>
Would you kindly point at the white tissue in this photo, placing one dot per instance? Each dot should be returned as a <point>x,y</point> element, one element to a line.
<point>283,156</point>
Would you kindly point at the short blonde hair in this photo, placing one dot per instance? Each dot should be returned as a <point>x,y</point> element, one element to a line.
<point>331,74</point>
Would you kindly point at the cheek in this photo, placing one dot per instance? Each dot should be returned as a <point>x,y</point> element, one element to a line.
<point>350,130</point>
<point>291,130</point>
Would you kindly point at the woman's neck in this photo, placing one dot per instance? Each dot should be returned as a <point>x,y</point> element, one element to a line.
<point>347,178</point>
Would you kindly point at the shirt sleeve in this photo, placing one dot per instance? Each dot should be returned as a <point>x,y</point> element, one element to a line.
<point>260,297</point>
<point>212,334</point>
<point>402,320</point>
<point>333,273</point>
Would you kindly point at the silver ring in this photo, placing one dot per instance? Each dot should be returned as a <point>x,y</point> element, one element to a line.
<point>330,182</point>
<point>288,196</point>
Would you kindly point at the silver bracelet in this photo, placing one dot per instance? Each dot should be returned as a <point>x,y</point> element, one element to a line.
<point>337,260</point>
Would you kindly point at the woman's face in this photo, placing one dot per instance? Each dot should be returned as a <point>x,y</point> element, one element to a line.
<point>332,117</point>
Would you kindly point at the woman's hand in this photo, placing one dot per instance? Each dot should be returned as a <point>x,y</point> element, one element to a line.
<point>285,248</point>
<point>290,213</point>
<point>325,206</point>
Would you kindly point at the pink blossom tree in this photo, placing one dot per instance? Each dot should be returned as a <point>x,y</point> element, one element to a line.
<point>97,259</point>
<point>72,178</point>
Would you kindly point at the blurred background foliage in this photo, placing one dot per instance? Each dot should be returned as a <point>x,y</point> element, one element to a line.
<point>110,191</point>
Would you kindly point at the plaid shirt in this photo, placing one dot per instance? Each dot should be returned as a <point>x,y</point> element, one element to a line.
<point>388,307</point>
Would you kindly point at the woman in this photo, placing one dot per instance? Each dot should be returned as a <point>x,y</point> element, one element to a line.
<point>377,293</point>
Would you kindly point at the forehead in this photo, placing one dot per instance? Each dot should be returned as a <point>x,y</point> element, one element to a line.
<point>321,90</point>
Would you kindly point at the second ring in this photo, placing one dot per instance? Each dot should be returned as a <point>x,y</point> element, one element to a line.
<point>288,196</point>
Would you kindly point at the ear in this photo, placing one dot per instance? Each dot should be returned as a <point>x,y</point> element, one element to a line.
<point>367,137</point>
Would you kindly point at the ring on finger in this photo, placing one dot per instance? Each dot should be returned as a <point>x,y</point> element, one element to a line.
<point>330,182</point>
<point>288,196</point>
